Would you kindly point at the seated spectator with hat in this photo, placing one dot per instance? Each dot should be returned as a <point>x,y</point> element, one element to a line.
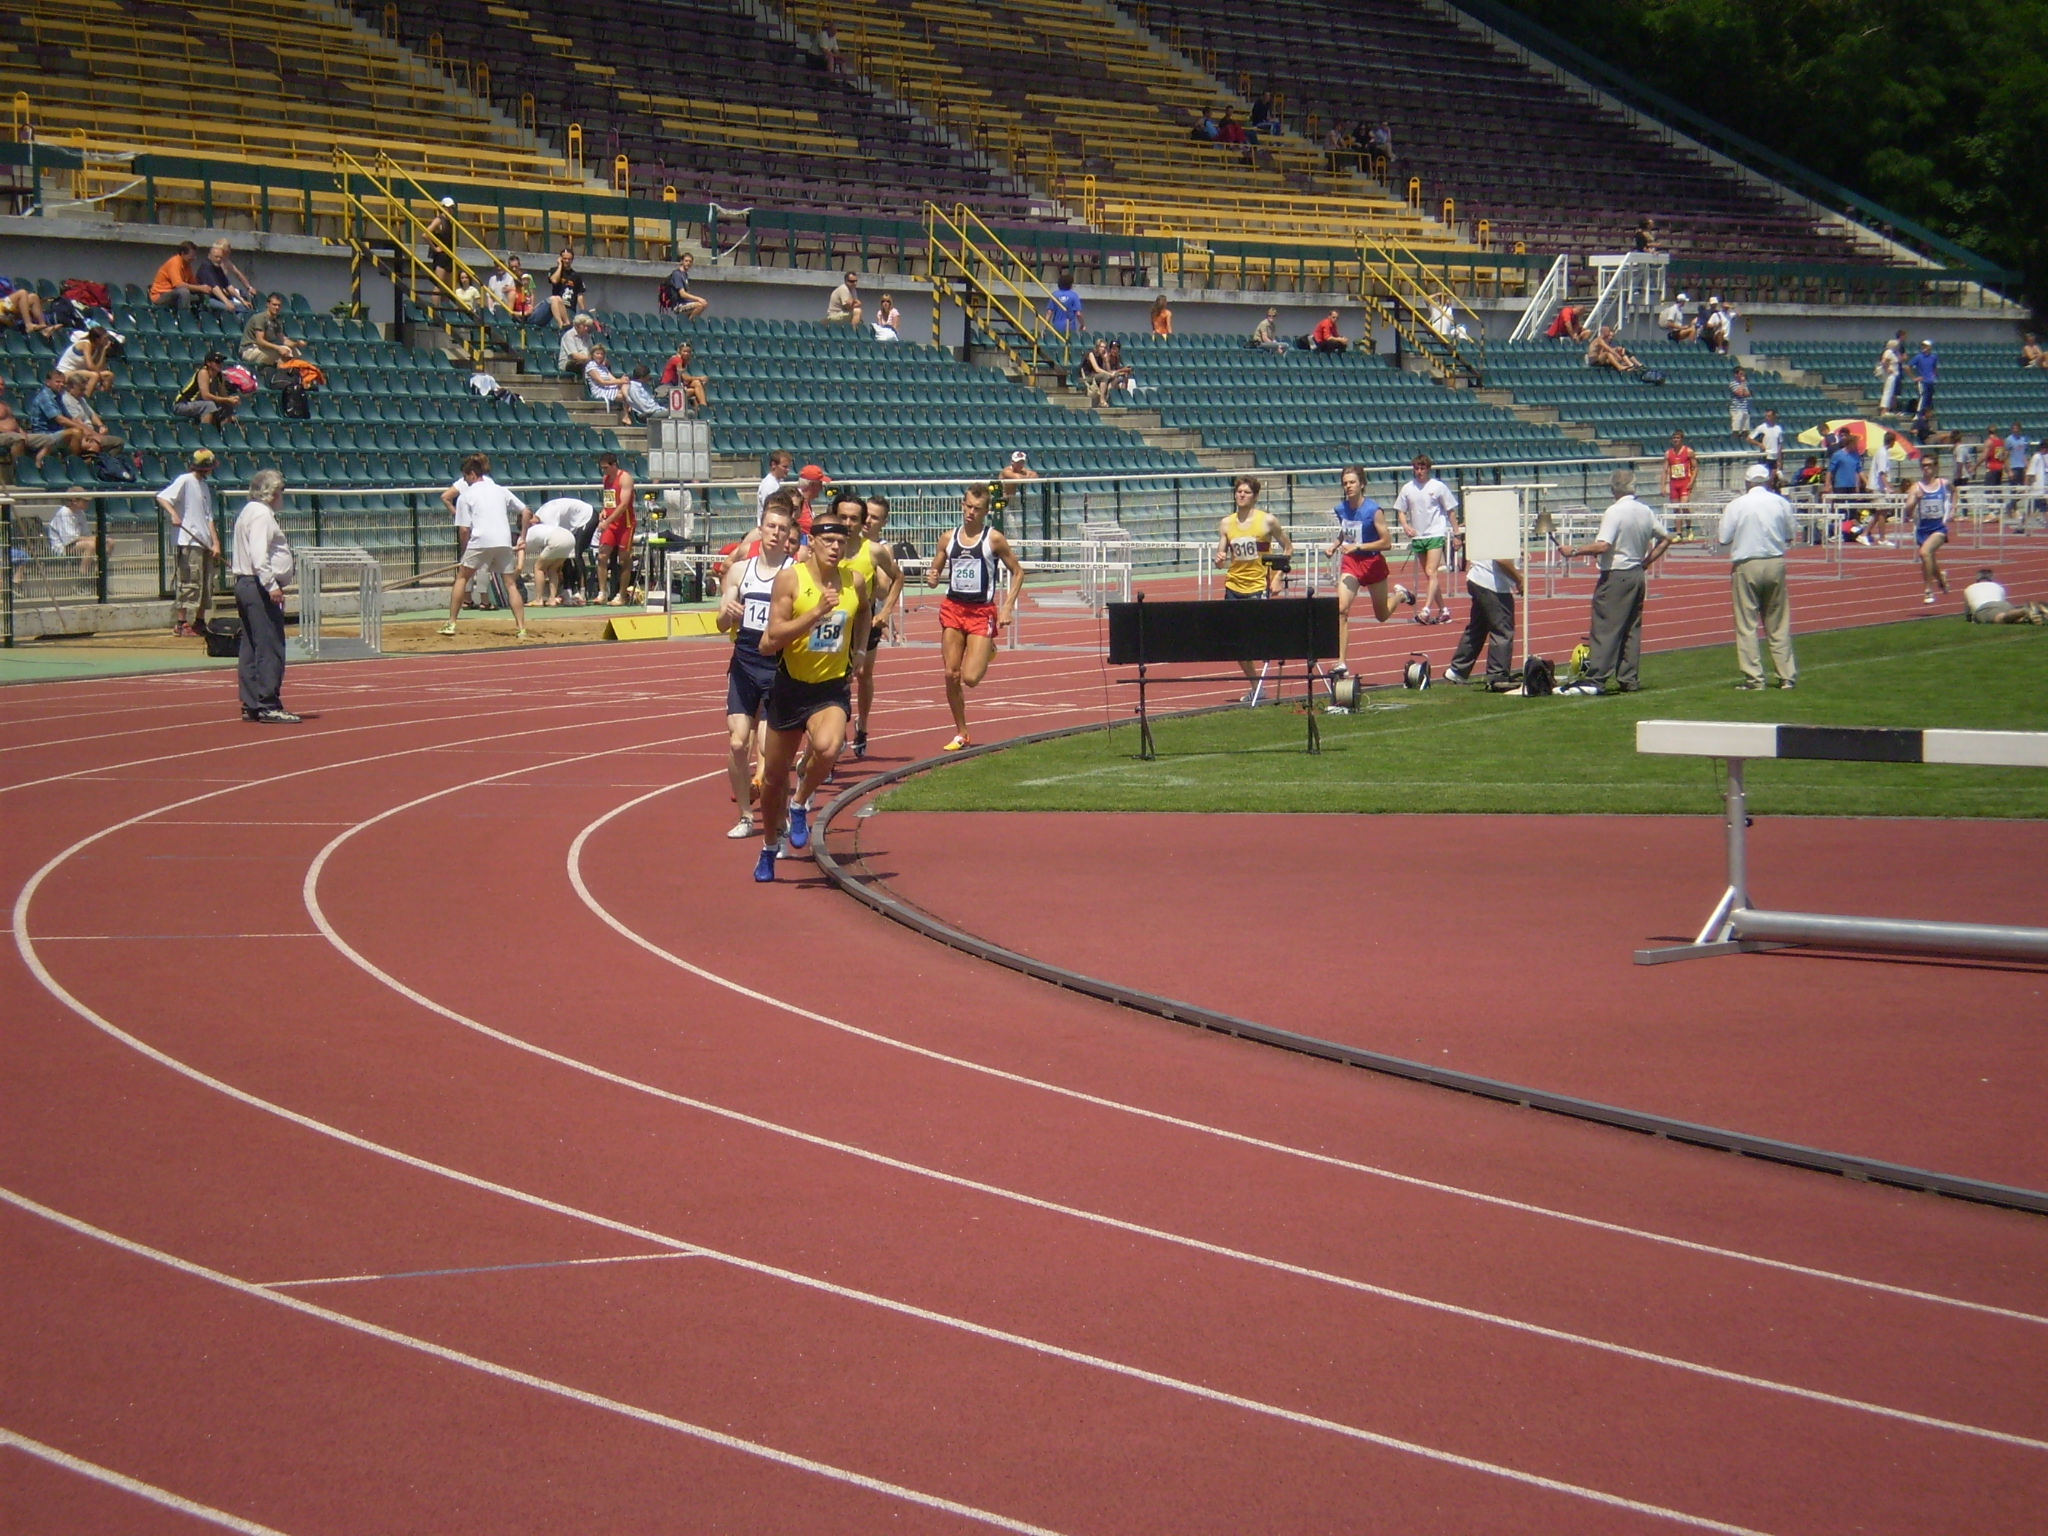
<point>1019,468</point>
<point>207,397</point>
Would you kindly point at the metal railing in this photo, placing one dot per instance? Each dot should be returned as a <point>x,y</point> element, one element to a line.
<point>1544,302</point>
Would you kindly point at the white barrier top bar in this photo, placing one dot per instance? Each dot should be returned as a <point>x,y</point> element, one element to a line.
<point>1840,743</point>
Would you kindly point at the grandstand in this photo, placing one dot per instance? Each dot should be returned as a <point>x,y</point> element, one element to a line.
<point>1980,385</point>
<point>1101,114</point>
<point>1307,409</point>
<point>1505,142</point>
<point>737,115</point>
<point>277,82</point>
<point>1625,411</point>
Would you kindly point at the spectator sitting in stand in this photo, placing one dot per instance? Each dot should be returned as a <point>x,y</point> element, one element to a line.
<point>1162,317</point>
<point>264,342</point>
<point>641,406</point>
<point>676,374</point>
<point>565,289</point>
<point>1338,148</point>
<point>1443,319</point>
<point>675,297</point>
<point>50,417</point>
<point>888,319</point>
<point>24,308</point>
<point>177,286</point>
<point>1121,376</point>
<point>217,270</point>
<point>1603,351</point>
<point>1206,131</point>
<point>70,529</point>
<point>2031,355</point>
<point>828,47</point>
<point>207,398</point>
<point>1672,319</point>
<point>1265,117</point>
<point>17,438</point>
<point>1383,140</point>
<point>93,430</point>
<point>606,387</point>
<point>1324,337</point>
<point>1018,470</point>
<point>1720,327</point>
<point>511,288</point>
<point>1810,473</point>
<point>573,354</point>
<point>1646,235</point>
<point>844,306</point>
<point>91,353</point>
<point>1230,130</point>
<point>1568,326</point>
<point>1096,373</point>
<point>1263,334</point>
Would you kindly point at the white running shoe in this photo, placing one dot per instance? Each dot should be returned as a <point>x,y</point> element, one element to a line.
<point>743,828</point>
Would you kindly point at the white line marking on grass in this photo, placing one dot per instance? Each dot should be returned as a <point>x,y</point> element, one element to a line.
<point>142,1490</point>
<point>520,1378</point>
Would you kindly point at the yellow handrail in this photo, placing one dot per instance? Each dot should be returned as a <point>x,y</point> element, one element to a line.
<point>983,262</point>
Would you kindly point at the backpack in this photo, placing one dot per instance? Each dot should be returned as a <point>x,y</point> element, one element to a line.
<point>86,295</point>
<point>1654,376</point>
<point>112,470</point>
<point>1539,677</point>
<point>241,378</point>
<point>302,373</point>
<point>293,401</point>
<point>63,314</point>
<point>6,287</point>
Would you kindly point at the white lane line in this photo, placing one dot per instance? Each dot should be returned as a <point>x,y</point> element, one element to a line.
<point>104,938</point>
<point>127,1484</point>
<point>1412,1181</point>
<point>527,1379</point>
<point>310,891</point>
<point>25,946</point>
<point>473,1269</point>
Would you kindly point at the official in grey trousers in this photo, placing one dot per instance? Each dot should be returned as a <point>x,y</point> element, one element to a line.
<point>1632,538</point>
<point>262,566</point>
<point>1756,529</point>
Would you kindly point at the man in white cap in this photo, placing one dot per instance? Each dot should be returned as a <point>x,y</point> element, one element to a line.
<point>188,502</point>
<point>1019,468</point>
<point>1672,318</point>
<point>1756,529</point>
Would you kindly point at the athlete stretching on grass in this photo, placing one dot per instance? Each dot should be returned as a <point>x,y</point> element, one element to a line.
<point>1243,540</point>
<point>1363,540</point>
<point>876,562</point>
<point>970,618</point>
<point>817,621</point>
<point>743,603</point>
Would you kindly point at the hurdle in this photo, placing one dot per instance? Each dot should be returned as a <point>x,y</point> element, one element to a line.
<point>1736,927</point>
<point>327,566</point>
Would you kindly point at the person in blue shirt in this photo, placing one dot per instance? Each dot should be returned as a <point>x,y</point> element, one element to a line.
<point>1362,543</point>
<point>1845,474</point>
<point>1063,314</point>
<point>2018,449</point>
<point>1925,364</point>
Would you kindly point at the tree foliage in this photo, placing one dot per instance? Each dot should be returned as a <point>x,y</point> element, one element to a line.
<point>1934,108</point>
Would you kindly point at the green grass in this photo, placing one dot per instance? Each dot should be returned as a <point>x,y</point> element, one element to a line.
<point>1459,749</point>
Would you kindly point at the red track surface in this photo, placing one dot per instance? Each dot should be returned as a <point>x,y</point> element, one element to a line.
<point>328,1055</point>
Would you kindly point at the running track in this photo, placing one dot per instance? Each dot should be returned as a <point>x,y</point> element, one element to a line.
<point>417,1121</point>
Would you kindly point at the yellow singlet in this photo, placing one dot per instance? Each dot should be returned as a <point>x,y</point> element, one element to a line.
<point>821,655</point>
<point>1244,544</point>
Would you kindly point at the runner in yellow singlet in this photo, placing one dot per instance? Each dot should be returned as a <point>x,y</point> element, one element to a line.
<point>877,566</point>
<point>1246,536</point>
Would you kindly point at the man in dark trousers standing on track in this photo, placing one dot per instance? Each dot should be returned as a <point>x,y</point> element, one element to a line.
<point>262,566</point>
<point>1631,540</point>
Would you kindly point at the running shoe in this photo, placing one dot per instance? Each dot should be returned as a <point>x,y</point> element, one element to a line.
<point>277,717</point>
<point>448,628</point>
<point>1788,682</point>
<point>1453,675</point>
<point>1927,597</point>
<point>744,828</point>
<point>799,827</point>
<point>1403,596</point>
<point>957,743</point>
<point>764,866</point>
<point>860,744</point>
<point>1751,685</point>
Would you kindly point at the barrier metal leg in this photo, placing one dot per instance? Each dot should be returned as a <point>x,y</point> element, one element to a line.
<point>1717,936</point>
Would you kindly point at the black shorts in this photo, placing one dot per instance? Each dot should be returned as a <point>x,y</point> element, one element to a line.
<point>747,682</point>
<point>1234,597</point>
<point>792,702</point>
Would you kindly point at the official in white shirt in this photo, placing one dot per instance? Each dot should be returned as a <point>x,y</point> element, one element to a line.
<point>1756,529</point>
<point>488,508</point>
<point>188,502</point>
<point>1631,539</point>
<point>262,566</point>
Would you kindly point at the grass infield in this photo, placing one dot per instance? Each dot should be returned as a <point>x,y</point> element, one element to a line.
<point>1462,749</point>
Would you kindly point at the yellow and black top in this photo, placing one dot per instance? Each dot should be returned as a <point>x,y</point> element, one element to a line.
<point>821,655</point>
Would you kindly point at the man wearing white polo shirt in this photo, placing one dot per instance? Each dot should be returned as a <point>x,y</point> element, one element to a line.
<point>1756,529</point>
<point>552,531</point>
<point>489,508</point>
<point>1631,540</point>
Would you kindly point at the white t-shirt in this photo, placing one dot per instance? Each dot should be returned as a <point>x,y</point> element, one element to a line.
<point>1630,527</point>
<point>1770,437</point>
<point>1880,461</point>
<point>769,486</point>
<point>458,486</point>
<point>488,507</point>
<point>192,495</point>
<point>65,527</point>
<point>1428,507</point>
<point>1488,575</point>
<point>2037,469</point>
<point>1979,593</point>
<point>568,512</point>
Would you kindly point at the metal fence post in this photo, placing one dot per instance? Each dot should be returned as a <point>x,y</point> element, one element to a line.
<point>7,602</point>
<point>99,533</point>
<point>413,506</point>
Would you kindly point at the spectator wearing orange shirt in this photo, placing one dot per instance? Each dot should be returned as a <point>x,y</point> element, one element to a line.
<point>177,286</point>
<point>1324,337</point>
<point>1162,317</point>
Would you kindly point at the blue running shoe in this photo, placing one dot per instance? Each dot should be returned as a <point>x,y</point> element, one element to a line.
<point>764,866</point>
<point>799,827</point>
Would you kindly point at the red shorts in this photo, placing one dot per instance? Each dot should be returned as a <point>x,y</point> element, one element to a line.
<point>618,536</point>
<point>1366,570</point>
<point>970,618</point>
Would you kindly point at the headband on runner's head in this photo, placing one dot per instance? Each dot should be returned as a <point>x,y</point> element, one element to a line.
<point>821,530</point>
